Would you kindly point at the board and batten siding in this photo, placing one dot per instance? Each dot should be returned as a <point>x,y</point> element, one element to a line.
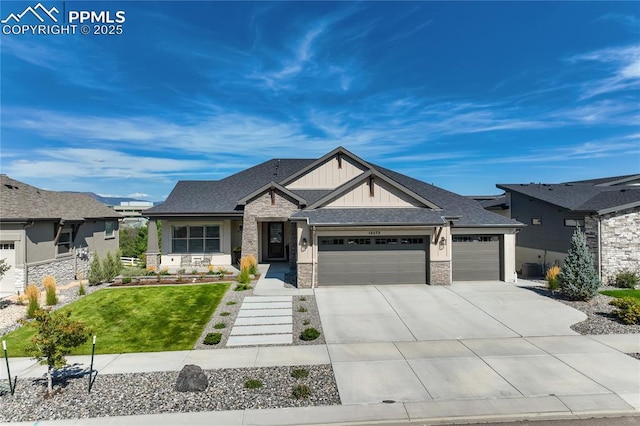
<point>328,175</point>
<point>384,195</point>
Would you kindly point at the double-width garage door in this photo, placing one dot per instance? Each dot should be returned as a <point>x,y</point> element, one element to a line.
<point>372,260</point>
<point>476,257</point>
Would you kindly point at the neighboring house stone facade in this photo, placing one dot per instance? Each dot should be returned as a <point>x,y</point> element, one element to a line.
<point>619,248</point>
<point>336,220</point>
<point>606,209</point>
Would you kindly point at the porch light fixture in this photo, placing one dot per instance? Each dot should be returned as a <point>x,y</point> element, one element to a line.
<point>305,243</point>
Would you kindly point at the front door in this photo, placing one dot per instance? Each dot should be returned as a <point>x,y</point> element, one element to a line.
<point>275,235</point>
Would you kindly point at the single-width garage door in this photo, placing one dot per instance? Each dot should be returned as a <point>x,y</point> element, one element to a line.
<point>372,260</point>
<point>8,253</point>
<point>476,257</point>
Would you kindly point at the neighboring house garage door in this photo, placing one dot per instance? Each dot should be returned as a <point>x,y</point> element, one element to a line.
<point>8,252</point>
<point>476,257</point>
<point>372,260</point>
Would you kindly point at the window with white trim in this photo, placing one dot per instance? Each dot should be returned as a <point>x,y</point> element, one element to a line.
<point>64,242</point>
<point>195,239</point>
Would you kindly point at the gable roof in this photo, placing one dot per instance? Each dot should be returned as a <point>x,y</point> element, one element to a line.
<point>361,178</point>
<point>225,197</point>
<point>603,195</point>
<point>21,202</point>
<point>218,197</point>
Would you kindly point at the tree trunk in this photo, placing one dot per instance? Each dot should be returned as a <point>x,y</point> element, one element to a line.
<point>49,381</point>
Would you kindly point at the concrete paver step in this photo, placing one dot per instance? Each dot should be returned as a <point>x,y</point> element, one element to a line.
<point>246,330</point>
<point>267,305</point>
<point>261,299</point>
<point>263,312</point>
<point>262,339</point>
<point>285,319</point>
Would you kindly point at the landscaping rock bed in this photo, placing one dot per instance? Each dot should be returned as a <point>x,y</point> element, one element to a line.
<point>599,319</point>
<point>155,393</point>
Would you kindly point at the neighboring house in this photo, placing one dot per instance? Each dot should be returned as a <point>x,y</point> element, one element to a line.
<point>50,233</point>
<point>337,220</point>
<point>607,209</point>
<point>132,212</point>
<point>499,204</point>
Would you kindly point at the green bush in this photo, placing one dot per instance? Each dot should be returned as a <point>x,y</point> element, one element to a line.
<point>95,271</point>
<point>628,310</point>
<point>134,272</point>
<point>81,290</point>
<point>253,384</point>
<point>309,334</point>
<point>578,279</point>
<point>302,309</point>
<point>244,277</point>
<point>231,303</point>
<point>242,287</point>
<point>306,322</point>
<point>181,271</point>
<point>225,314</point>
<point>301,391</point>
<point>212,339</point>
<point>194,272</point>
<point>302,298</point>
<point>627,279</point>
<point>126,280</point>
<point>299,373</point>
<point>219,325</point>
<point>111,267</point>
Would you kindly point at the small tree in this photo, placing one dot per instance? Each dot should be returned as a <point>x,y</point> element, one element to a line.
<point>111,267</point>
<point>95,271</point>
<point>56,335</point>
<point>578,279</point>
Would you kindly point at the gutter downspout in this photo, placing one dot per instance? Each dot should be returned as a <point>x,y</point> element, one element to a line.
<point>24,254</point>
<point>599,249</point>
<point>313,257</point>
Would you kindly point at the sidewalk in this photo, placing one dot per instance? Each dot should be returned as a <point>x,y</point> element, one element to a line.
<point>508,407</point>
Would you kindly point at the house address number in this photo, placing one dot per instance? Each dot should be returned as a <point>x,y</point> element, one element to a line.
<point>374,232</point>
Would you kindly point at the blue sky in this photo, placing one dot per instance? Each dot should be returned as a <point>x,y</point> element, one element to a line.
<point>461,95</point>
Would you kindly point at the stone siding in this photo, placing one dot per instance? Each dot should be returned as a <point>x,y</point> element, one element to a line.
<point>619,242</point>
<point>293,244</point>
<point>305,271</point>
<point>440,273</point>
<point>261,209</point>
<point>63,270</point>
<point>19,280</point>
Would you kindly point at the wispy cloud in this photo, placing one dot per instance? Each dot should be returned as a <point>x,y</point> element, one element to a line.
<point>622,65</point>
<point>630,21</point>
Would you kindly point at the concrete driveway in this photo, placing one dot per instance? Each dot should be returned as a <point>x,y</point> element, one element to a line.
<point>401,313</point>
<point>429,346</point>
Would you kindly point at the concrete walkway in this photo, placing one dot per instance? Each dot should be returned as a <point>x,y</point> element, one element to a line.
<point>263,320</point>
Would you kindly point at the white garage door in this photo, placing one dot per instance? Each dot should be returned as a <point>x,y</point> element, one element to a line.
<point>476,257</point>
<point>8,282</point>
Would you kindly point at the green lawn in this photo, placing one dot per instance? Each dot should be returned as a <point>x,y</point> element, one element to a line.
<point>622,293</point>
<point>138,319</point>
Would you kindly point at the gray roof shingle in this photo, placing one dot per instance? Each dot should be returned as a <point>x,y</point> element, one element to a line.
<point>221,198</point>
<point>20,201</point>
<point>587,197</point>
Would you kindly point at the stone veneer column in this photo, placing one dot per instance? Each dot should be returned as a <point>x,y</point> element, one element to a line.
<point>153,258</point>
<point>304,275</point>
<point>440,273</point>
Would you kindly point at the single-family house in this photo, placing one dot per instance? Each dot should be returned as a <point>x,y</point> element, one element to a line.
<point>607,209</point>
<point>337,220</point>
<point>50,233</point>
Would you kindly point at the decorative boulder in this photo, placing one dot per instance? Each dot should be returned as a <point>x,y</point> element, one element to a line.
<point>192,379</point>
